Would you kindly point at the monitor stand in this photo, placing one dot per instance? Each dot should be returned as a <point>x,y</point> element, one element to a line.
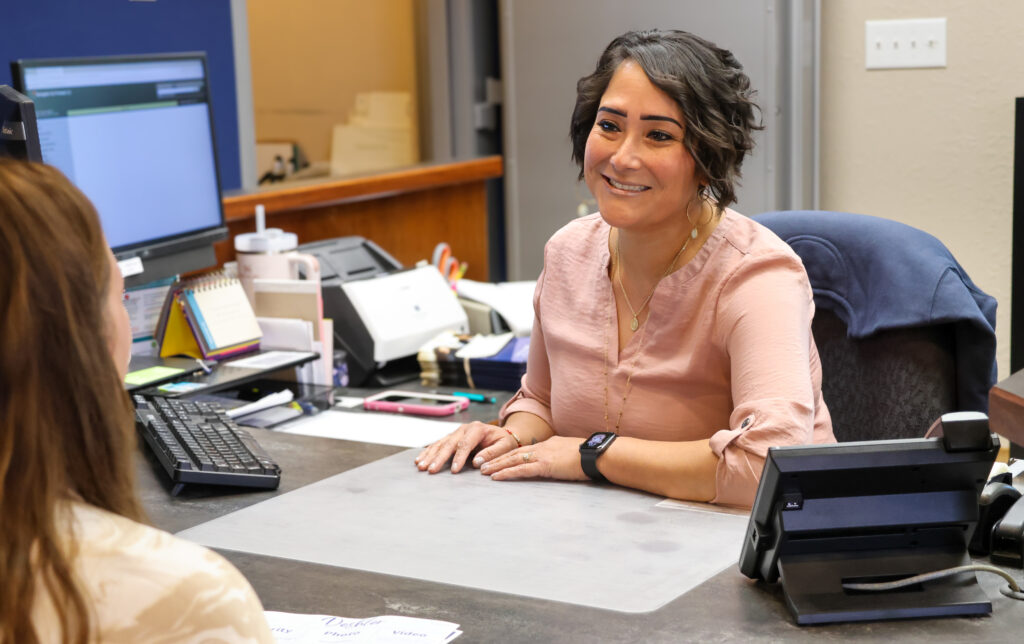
<point>812,584</point>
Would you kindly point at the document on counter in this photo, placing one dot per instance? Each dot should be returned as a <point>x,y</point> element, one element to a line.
<point>373,427</point>
<point>512,300</point>
<point>388,629</point>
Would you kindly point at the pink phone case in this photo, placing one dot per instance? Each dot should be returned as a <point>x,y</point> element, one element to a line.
<point>447,409</point>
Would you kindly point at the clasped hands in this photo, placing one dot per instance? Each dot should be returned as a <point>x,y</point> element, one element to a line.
<point>498,455</point>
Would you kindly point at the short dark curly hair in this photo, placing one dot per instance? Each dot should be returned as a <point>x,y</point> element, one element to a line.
<point>705,80</point>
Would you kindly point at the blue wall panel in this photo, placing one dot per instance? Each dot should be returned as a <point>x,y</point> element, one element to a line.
<point>64,28</point>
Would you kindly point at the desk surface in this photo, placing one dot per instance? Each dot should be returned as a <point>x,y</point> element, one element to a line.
<point>727,607</point>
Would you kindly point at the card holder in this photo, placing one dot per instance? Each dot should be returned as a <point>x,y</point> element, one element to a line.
<point>208,317</point>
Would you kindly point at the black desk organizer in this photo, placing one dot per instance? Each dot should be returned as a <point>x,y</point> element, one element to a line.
<point>870,511</point>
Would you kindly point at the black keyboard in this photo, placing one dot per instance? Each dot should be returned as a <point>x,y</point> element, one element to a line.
<point>196,442</point>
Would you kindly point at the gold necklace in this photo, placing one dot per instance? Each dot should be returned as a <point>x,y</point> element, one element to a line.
<point>629,376</point>
<point>635,323</point>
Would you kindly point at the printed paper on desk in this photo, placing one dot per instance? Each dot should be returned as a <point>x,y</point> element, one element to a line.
<point>286,333</point>
<point>482,346</point>
<point>372,427</point>
<point>512,300</point>
<point>291,627</point>
<point>289,299</point>
<point>321,372</point>
<point>267,360</point>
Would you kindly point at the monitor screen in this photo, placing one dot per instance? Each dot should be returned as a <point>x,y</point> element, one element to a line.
<point>135,134</point>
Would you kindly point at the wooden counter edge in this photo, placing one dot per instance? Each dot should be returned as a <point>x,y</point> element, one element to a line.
<point>337,191</point>
<point>1006,413</point>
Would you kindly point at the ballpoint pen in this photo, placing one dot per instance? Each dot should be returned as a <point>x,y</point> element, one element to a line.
<point>476,397</point>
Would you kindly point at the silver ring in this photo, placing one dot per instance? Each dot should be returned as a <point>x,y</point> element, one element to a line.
<point>526,457</point>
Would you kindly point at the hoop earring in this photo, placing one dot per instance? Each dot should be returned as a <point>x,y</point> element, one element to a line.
<point>696,197</point>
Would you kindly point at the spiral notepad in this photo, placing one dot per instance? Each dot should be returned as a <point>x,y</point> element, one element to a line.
<point>208,317</point>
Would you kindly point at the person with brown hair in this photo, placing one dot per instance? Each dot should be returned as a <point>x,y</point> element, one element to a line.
<point>76,562</point>
<point>671,344</point>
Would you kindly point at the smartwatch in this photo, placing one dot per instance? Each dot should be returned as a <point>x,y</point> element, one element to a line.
<point>590,449</point>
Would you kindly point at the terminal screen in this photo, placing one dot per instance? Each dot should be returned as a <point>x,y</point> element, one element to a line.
<point>136,137</point>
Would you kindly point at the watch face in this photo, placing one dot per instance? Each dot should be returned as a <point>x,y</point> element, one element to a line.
<point>596,440</point>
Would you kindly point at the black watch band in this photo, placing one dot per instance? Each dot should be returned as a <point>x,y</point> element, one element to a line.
<point>590,450</point>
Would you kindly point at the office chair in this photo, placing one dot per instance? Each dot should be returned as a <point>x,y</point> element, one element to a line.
<point>903,334</point>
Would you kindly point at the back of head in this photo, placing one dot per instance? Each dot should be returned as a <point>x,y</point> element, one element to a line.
<point>705,80</point>
<point>65,420</point>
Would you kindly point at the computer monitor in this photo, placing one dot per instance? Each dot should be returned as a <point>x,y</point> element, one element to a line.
<point>135,134</point>
<point>870,511</point>
<point>19,138</point>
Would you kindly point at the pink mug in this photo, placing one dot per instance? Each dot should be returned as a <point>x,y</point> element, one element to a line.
<point>278,266</point>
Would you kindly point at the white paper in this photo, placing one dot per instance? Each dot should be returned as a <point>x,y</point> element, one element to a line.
<point>144,306</point>
<point>512,300</point>
<point>286,333</point>
<point>321,371</point>
<point>348,402</point>
<point>484,346</point>
<point>372,427</point>
<point>1016,468</point>
<point>693,506</point>
<point>392,629</point>
<point>267,360</point>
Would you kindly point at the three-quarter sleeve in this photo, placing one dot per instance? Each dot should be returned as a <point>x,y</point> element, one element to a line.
<point>764,315</point>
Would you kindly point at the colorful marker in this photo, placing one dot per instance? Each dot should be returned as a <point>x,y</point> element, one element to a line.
<point>476,397</point>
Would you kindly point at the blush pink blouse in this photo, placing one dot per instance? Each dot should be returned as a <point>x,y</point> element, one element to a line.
<point>727,354</point>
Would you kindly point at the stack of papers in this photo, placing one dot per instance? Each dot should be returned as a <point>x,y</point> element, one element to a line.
<point>512,300</point>
<point>373,427</point>
<point>389,629</point>
<point>483,362</point>
<point>502,370</point>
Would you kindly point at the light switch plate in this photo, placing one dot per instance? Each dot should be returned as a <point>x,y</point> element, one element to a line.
<point>904,44</point>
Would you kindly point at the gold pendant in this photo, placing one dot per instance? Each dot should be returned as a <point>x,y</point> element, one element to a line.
<point>635,324</point>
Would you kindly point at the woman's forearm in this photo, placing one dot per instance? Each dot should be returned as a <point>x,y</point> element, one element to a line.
<point>680,470</point>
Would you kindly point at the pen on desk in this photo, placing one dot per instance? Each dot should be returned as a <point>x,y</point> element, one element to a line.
<point>476,397</point>
<point>205,367</point>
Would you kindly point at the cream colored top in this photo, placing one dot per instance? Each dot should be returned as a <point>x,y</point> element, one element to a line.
<point>145,585</point>
<point>727,354</point>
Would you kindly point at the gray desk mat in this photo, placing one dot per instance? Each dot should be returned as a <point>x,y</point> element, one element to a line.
<point>581,543</point>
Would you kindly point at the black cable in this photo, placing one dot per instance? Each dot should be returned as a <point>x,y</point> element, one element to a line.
<point>1012,589</point>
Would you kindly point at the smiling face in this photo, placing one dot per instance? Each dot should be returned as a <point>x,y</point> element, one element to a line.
<point>636,164</point>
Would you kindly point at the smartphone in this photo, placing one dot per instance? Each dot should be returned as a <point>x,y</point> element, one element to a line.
<point>414,402</point>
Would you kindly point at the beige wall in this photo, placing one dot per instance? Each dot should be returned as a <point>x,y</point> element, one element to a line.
<point>311,57</point>
<point>932,148</point>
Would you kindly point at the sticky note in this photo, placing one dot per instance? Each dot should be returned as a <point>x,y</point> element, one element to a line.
<point>150,374</point>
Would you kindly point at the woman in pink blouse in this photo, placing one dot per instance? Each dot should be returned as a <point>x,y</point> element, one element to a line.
<point>672,340</point>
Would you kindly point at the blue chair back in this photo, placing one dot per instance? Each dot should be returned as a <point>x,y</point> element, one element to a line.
<point>903,333</point>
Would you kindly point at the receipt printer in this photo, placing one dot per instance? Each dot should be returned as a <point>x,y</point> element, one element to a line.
<point>382,313</point>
